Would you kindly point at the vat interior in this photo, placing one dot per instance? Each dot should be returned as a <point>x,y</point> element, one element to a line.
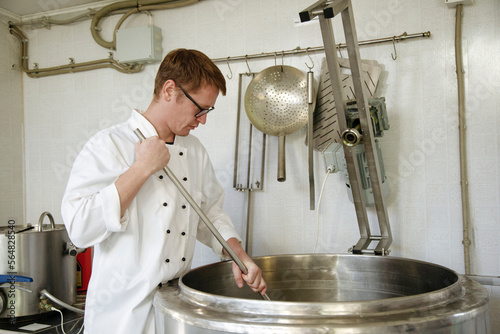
<point>327,278</point>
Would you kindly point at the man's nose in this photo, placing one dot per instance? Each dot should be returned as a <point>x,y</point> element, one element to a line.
<point>202,119</point>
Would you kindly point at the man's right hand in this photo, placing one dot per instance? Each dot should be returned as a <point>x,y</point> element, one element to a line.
<point>152,154</point>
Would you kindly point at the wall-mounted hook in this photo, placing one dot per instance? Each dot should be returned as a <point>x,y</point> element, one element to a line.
<point>312,66</point>
<point>395,55</point>
<point>282,59</point>
<point>249,73</point>
<point>230,71</point>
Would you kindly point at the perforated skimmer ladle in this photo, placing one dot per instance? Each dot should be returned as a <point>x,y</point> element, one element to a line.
<point>276,104</point>
<point>203,216</point>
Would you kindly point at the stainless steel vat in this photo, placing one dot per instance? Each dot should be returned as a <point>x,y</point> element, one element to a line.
<point>326,293</point>
<point>33,259</point>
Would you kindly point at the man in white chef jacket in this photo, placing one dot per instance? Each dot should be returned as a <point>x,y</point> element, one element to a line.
<point>119,200</point>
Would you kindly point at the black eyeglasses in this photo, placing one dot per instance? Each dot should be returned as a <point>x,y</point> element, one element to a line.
<point>202,111</point>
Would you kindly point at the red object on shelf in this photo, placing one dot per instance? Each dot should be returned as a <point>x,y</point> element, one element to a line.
<point>84,269</point>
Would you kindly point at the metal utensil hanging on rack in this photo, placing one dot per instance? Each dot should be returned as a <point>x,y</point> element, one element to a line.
<point>311,102</point>
<point>249,159</point>
<point>276,104</point>
<point>202,215</point>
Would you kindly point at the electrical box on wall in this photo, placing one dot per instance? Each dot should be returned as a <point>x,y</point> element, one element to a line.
<point>139,44</point>
<point>454,3</point>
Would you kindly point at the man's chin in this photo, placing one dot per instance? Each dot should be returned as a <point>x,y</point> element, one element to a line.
<point>184,133</point>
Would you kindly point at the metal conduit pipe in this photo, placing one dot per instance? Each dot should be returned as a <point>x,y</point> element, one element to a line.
<point>104,12</point>
<point>464,182</point>
<point>69,68</point>
<point>39,72</point>
<point>139,5</point>
<point>47,21</point>
<point>22,39</point>
<point>486,280</point>
<point>120,22</point>
<point>45,293</point>
<point>134,5</point>
<point>80,67</point>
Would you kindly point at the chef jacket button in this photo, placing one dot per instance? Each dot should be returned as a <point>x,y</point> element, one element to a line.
<point>160,285</point>
<point>185,179</point>
<point>160,177</point>
<point>183,259</point>
<point>183,206</point>
<point>168,231</point>
<point>167,260</point>
<point>183,233</point>
<point>165,204</point>
<point>181,153</point>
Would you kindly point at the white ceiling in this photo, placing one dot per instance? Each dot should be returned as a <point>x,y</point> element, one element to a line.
<point>32,7</point>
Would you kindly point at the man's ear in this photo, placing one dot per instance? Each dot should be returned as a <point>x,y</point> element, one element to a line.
<point>167,91</point>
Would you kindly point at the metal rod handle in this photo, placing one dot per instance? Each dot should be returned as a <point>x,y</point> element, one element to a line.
<point>201,214</point>
<point>310,133</point>
<point>281,159</point>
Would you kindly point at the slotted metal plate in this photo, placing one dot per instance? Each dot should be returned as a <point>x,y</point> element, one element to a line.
<point>326,128</point>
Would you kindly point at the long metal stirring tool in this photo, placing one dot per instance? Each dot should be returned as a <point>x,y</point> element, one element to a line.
<point>203,216</point>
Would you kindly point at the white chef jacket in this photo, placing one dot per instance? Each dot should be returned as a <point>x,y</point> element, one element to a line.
<point>154,240</point>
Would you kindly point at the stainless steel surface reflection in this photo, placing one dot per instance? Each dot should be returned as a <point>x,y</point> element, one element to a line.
<point>41,255</point>
<point>326,293</point>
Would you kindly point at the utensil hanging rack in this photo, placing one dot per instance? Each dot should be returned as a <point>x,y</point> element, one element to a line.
<point>299,50</point>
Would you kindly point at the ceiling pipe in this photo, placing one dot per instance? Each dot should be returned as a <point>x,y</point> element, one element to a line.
<point>134,6</point>
<point>46,22</point>
<point>94,30</point>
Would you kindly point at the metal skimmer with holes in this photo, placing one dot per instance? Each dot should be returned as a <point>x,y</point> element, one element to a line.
<point>276,100</point>
<point>276,104</point>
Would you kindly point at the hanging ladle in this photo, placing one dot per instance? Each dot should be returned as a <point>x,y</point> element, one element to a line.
<point>203,216</point>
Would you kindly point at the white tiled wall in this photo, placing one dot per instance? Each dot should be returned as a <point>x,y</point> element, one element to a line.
<point>420,150</point>
<point>11,131</point>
